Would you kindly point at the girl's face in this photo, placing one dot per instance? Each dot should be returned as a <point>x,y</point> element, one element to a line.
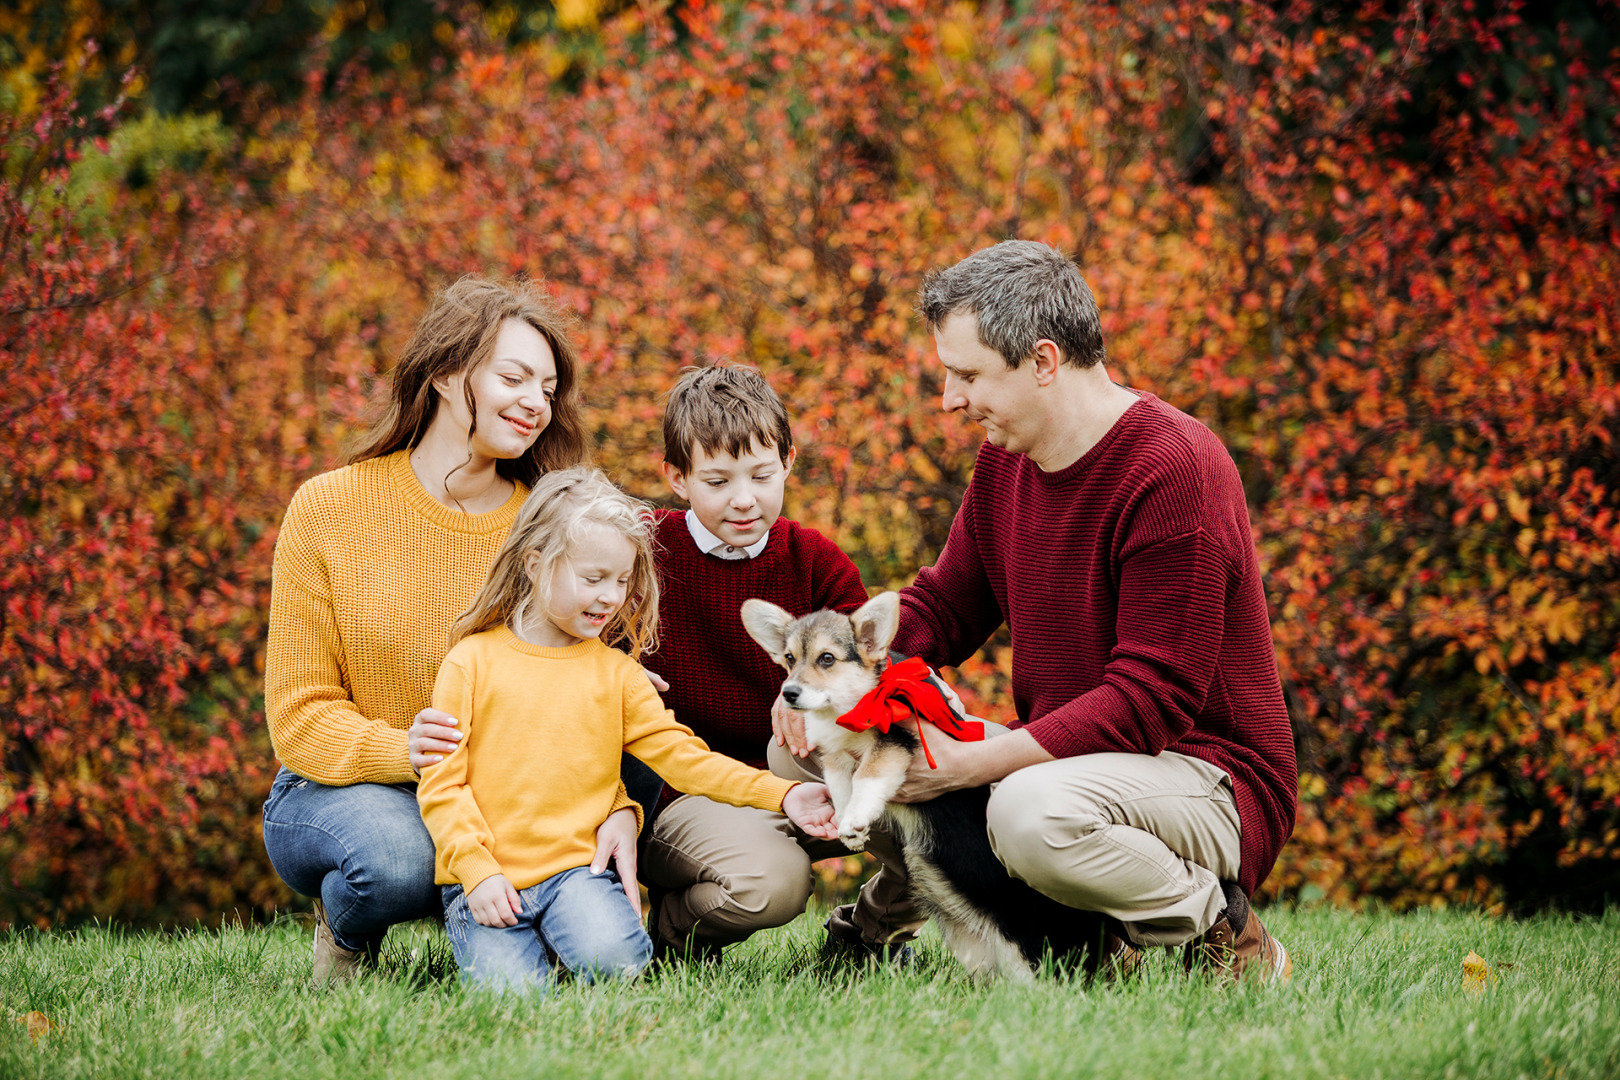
<point>512,390</point>
<point>587,588</point>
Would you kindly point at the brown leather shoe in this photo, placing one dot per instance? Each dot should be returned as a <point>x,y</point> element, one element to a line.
<point>334,963</point>
<point>1119,959</point>
<point>1237,947</point>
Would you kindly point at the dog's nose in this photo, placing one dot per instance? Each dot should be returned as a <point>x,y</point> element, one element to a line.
<point>790,694</point>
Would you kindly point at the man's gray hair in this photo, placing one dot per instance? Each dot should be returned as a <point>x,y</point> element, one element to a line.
<point>1020,291</point>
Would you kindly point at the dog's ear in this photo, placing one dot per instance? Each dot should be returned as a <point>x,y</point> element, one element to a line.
<point>875,624</point>
<point>767,624</point>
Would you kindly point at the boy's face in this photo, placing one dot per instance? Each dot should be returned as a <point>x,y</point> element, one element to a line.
<point>738,498</point>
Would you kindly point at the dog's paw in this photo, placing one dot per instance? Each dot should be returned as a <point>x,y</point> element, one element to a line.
<point>854,837</point>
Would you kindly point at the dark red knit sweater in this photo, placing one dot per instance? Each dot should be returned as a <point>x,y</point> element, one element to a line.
<point>1130,583</point>
<point>721,683</point>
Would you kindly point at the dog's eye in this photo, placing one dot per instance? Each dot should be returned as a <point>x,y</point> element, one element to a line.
<point>789,659</point>
<point>826,660</point>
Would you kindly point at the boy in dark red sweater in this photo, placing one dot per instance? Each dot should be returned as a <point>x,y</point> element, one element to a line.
<point>717,873</point>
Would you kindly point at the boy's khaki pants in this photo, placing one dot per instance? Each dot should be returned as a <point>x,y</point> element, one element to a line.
<point>1146,840</point>
<point>732,870</point>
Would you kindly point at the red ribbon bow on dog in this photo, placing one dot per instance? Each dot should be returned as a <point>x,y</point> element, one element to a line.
<point>903,691</point>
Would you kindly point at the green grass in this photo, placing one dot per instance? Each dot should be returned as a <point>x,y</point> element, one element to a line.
<point>1372,996</point>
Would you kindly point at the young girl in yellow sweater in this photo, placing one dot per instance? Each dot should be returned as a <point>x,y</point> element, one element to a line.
<point>546,708</point>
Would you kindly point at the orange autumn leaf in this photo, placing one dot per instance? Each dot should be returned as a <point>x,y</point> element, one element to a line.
<point>37,1025</point>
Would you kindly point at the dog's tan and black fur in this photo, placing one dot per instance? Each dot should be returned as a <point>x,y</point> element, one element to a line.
<point>993,924</point>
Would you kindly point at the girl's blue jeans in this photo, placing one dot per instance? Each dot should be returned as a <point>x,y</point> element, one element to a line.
<point>582,919</point>
<point>363,850</point>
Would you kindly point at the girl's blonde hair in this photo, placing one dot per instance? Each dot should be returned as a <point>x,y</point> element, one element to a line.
<point>457,334</point>
<point>552,523</point>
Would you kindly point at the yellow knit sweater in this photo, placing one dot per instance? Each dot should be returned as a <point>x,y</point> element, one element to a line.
<point>370,572</point>
<point>538,770</point>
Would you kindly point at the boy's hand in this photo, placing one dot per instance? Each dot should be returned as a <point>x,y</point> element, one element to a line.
<point>494,902</point>
<point>809,806</point>
<point>788,727</point>
<point>616,842</point>
<point>659,683</point>
<point>433,735</point>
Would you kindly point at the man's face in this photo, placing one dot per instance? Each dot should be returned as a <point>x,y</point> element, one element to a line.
<point>736,497</point>
<point>980,386</point>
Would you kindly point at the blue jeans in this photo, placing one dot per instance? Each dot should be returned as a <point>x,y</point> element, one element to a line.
<point>363,850</point>
<point>584,919</point>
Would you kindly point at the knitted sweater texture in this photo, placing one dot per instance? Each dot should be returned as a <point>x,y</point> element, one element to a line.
<point>721,683</point>
<point>1131,587</point>
<point>538,768</point>
<point>370,571</point>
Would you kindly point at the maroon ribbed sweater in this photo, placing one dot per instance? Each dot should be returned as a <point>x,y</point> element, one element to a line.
<point>721,683</point>
<point>1131,586</point>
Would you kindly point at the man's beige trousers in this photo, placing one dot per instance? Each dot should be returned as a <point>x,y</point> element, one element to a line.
<point>1146,840</point>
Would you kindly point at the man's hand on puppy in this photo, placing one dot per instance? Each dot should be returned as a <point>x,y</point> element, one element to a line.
<point>967,765</point>
<point>788,727</point>
<point>809,806</point>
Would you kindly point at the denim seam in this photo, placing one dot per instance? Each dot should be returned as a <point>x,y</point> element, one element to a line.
<point>347,852</point>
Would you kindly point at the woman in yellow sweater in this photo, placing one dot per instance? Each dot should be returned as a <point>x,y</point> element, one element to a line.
<point>373,564</point>
<point>513,809</point>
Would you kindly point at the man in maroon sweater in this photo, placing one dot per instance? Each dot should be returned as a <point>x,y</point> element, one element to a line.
<point>1150,772</point>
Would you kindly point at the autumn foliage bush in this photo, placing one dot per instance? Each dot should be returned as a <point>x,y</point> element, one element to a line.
<point>1384,275</point>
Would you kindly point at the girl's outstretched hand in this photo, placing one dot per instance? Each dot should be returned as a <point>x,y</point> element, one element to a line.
<point>494,902</point>
<point>809,806</point>
<point>616,842</point>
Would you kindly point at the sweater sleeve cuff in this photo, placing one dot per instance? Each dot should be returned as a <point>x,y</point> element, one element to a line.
<point>769,791</point>
<point>473,868</point>
<point>390,760</point>
<point>1081,726</point>
<point>622,799</point>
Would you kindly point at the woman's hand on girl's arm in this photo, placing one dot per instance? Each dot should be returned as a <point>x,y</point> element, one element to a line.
<point>809,806</point>
<point>494,902</point>
<point>433,735</point>
<point>616,842</point>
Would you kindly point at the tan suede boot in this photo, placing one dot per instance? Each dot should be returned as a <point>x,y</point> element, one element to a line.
<point>334,963</point>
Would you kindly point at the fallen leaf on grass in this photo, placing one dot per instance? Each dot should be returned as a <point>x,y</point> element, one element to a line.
<point>1476,974</point>
<point>37,1024</point>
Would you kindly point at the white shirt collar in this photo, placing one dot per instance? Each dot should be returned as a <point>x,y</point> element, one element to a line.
<point>710,544</point>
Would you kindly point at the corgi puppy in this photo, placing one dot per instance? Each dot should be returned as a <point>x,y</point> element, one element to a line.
<point>994,925</point>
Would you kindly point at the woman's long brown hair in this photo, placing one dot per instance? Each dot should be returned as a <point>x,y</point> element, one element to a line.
<point>456,335</point>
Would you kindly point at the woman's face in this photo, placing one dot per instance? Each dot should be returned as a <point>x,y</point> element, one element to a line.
<point>512,391</point>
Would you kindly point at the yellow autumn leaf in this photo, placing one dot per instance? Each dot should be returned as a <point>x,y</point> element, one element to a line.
<point>37,1024</point>
<point>956,37</point>
<point>1476,974</point>
<point>576,14</point>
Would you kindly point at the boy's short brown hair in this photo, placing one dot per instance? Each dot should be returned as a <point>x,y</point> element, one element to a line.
<point>723,409</point>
